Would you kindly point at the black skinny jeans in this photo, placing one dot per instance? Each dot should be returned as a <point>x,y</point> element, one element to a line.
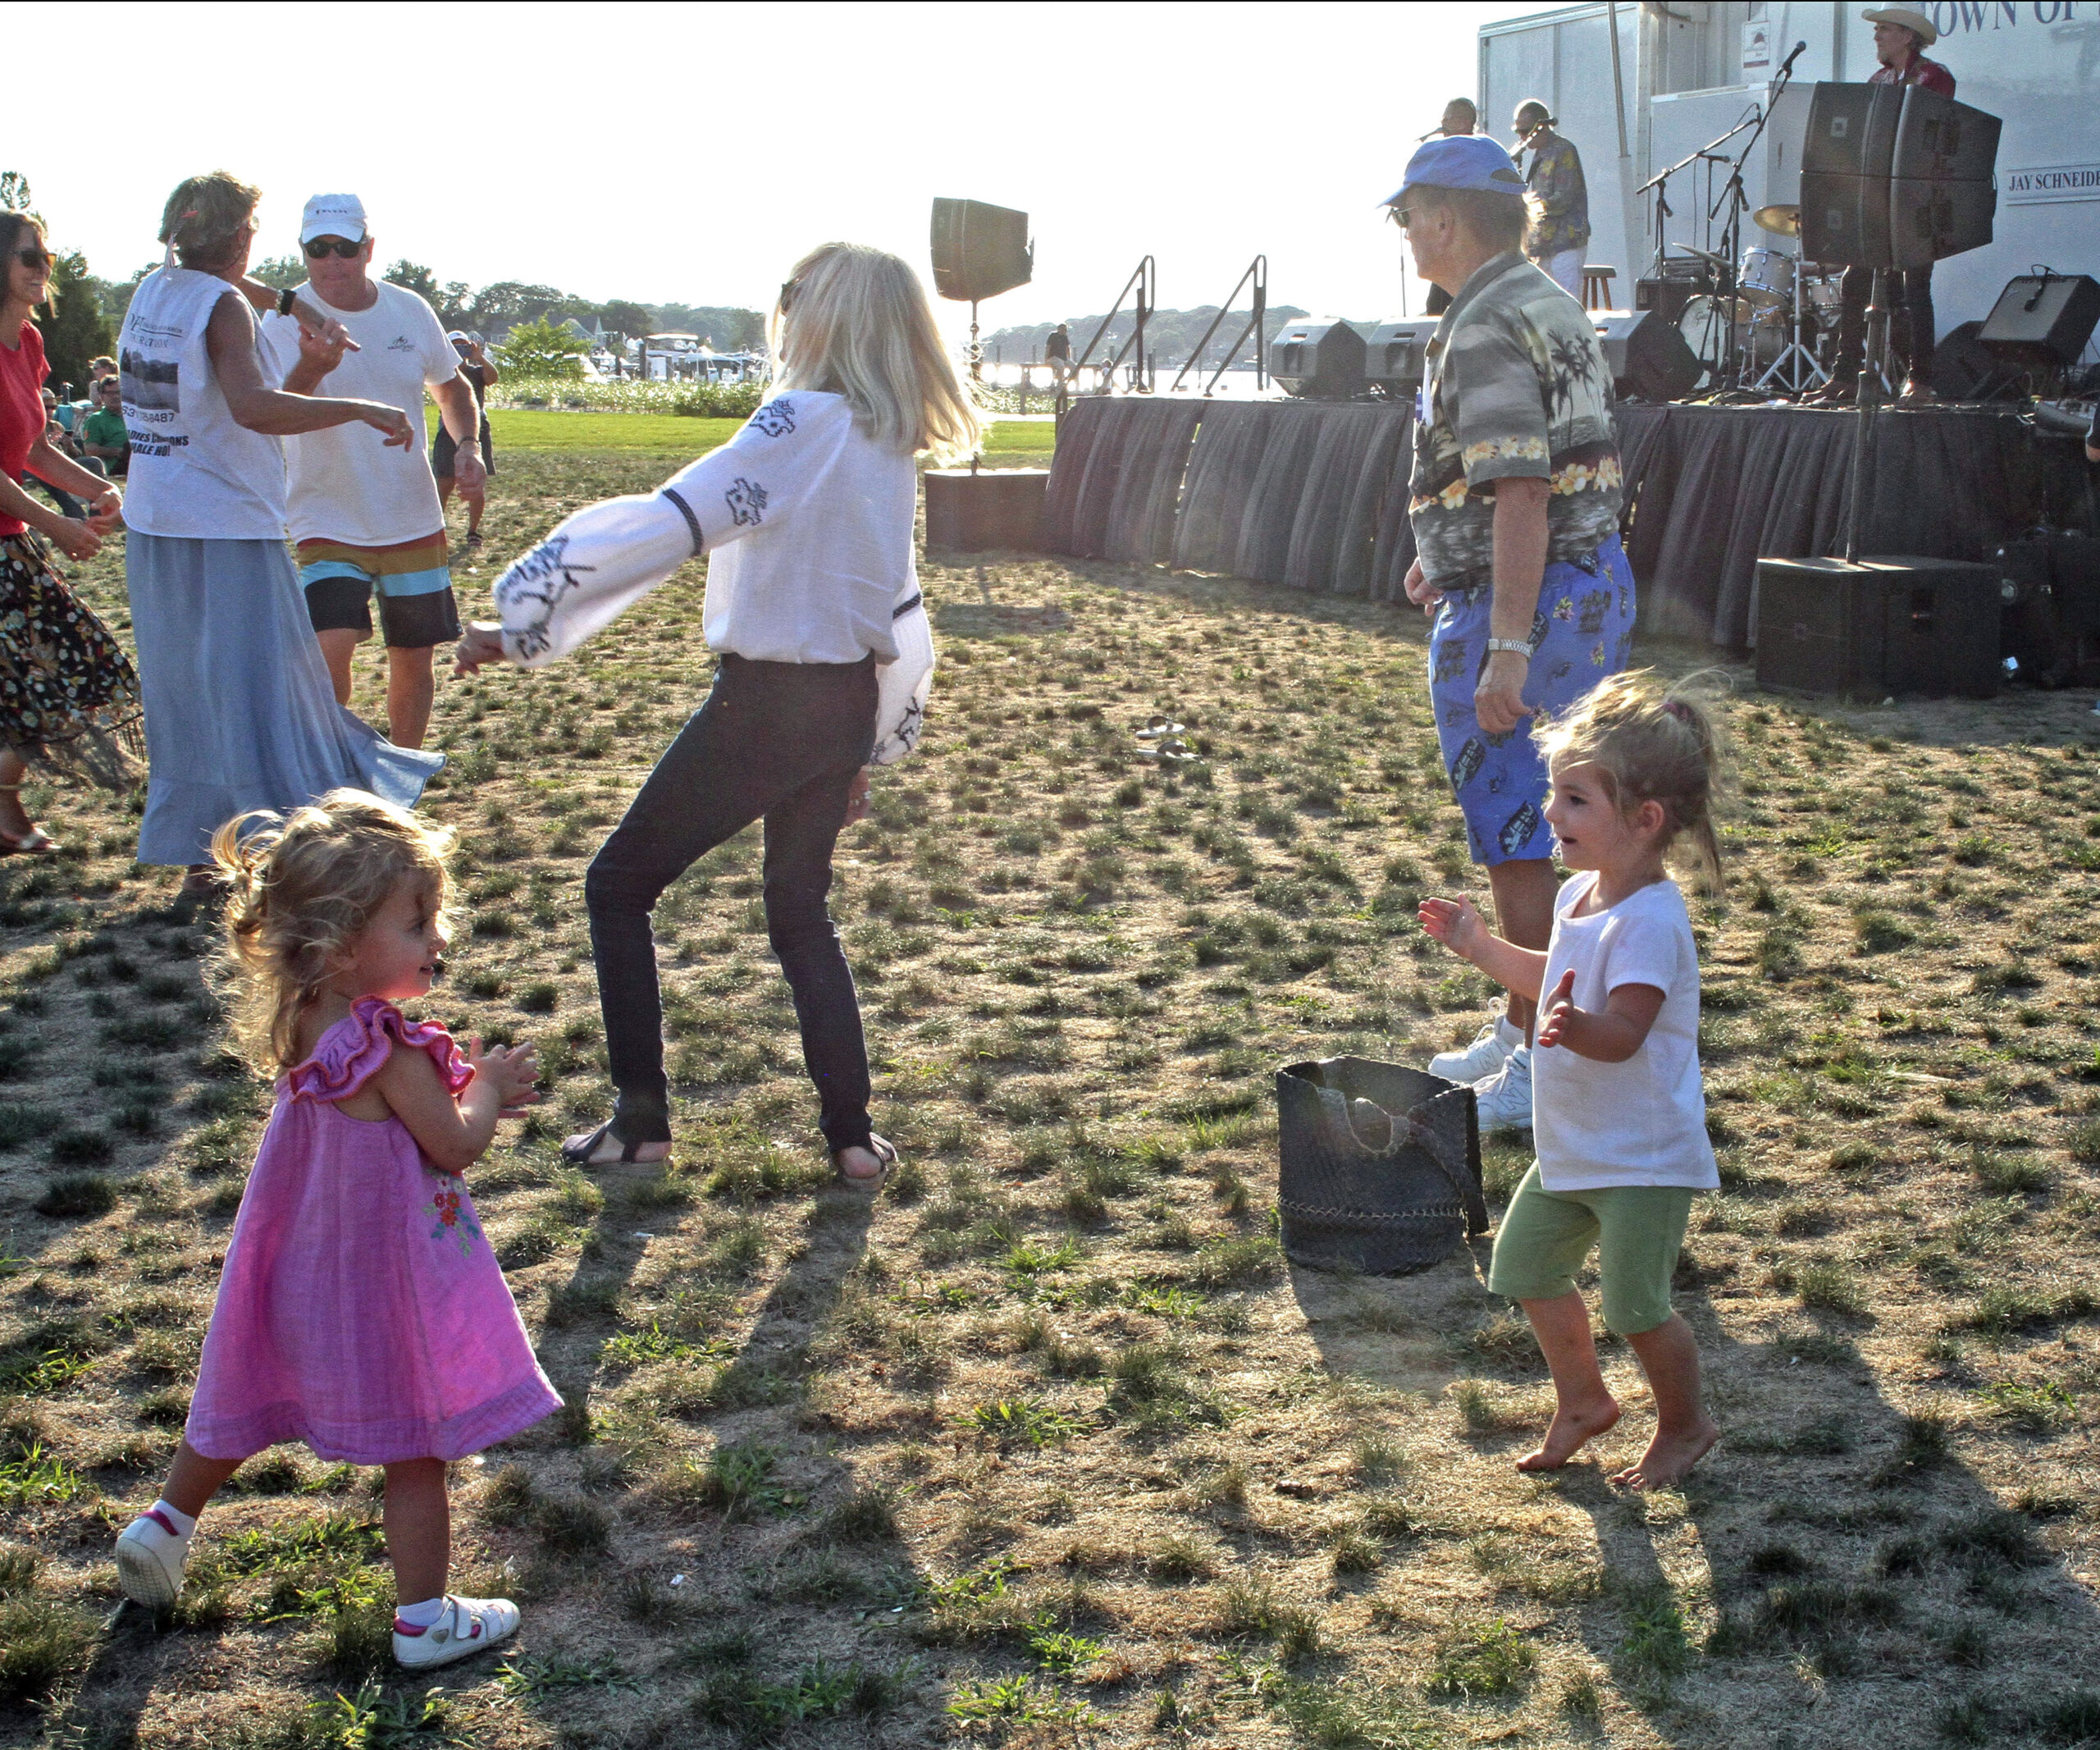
<point>779,741</point>
<point>1910,337</point>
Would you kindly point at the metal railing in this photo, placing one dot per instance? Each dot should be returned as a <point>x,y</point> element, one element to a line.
<point>1258,272</point>
<point>1143,283</point>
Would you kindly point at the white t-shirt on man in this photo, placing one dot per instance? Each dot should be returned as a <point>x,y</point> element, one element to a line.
<point>1642,1121</point>
<point>346,484</point>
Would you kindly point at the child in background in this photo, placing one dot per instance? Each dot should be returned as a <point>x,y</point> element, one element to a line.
<point>361,1310</point>
<point>1620,1119</point>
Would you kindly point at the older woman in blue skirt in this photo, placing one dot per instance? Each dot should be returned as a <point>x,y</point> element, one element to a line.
<point>240,713</point>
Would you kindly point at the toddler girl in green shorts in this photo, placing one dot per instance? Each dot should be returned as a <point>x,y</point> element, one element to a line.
<point>1618,1115</point>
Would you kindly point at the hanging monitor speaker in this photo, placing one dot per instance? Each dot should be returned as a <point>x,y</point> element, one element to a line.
<point>980,250</point>
<point>1648,358</point>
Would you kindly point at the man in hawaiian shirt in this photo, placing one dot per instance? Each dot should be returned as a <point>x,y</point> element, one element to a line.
<point>1558,235</point>
<point>1515,504</point>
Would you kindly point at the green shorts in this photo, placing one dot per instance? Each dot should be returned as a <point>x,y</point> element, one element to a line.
<point>1638,1230</point>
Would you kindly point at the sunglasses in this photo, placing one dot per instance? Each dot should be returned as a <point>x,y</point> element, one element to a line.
<point>321,247</point>
<point>34,257</point>
<point>788,294</point>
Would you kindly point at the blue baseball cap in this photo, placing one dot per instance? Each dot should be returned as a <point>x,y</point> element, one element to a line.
<point>1460,161</point>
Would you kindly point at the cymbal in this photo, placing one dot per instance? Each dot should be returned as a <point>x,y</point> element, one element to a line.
<point>1782,222</point>
<point>1693,249</point>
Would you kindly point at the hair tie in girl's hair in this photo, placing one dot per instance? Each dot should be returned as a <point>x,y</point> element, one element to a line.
<point>1682,712</point>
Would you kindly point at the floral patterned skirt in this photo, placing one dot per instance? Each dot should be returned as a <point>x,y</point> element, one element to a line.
<point>69,695</point>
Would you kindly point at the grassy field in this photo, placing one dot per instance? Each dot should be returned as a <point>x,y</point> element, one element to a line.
<point>1049,1445</point>
<point>1010,443</point>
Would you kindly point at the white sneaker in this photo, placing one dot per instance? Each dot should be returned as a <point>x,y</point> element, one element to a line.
<point>151,1555</point>
<point>1488,1052</point>
<point>1506,1097</point>
<point>467,1627</point>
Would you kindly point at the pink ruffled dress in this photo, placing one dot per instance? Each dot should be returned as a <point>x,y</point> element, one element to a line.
<point>361,1310</point>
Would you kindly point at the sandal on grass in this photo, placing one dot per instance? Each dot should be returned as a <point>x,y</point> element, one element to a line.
<point>884,1151</point>
<point>34,843</point>
<point>581,1152</point>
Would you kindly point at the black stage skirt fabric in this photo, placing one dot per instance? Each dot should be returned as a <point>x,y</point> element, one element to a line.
<point>1312,495</point>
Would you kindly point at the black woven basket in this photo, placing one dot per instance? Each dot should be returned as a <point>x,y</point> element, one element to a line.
<point>1381,1166</point>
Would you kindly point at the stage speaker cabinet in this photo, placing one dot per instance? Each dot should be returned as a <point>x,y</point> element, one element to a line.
<point>1648,359</point>
<point>1666,298</point>
<point>1844,219</point>
<point>980,250</point>
<point>2043,321</point>
<point>1320,357</point>
<point>1395,354</point>
<point>1851,130</point>
<point>1886,625</point>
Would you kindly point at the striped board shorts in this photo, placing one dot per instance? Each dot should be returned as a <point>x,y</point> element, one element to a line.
<point>412,579</point>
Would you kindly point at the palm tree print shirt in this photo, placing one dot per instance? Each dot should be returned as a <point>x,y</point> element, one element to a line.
<point>1517,387</point>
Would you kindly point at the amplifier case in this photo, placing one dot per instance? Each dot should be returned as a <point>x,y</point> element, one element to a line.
<point>1886,625</point>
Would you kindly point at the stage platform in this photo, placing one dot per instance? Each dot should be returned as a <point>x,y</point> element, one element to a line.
<point>1312,495</point>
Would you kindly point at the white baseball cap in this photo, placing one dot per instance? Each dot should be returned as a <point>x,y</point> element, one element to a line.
<point>333,216</point>
<point>1909,16</point>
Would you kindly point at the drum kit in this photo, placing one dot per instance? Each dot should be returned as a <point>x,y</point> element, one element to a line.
<point>1774,316</point>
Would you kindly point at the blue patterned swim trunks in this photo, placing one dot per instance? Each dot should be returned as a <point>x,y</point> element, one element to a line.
<point>1582,632</point>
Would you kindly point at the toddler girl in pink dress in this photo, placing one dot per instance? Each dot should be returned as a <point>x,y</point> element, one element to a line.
<point>361,1310</point>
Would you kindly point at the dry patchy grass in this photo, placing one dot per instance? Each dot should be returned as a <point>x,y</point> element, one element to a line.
<point>1048,1445</point>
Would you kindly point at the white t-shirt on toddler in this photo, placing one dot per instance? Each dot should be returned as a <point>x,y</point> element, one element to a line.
<point>1642,1121</point>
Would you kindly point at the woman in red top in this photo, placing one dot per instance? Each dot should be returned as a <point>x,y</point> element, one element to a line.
<point>69,696</point>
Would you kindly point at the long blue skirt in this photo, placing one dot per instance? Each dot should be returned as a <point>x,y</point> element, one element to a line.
<point>240,713</point>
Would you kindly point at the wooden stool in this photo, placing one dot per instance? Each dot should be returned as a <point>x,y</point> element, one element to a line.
<point>1596,287</point>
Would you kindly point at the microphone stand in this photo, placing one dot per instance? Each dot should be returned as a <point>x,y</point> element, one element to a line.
<point>1738,203</point>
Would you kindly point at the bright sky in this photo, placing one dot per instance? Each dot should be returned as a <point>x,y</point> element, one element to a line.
<point>689,152</point>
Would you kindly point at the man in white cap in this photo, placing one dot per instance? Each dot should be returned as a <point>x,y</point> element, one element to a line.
<point>1902,35</point>
<point>367,521</point>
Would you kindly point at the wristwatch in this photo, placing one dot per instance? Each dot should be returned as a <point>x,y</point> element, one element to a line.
<point>1515,646</point>
<point>285,299</point>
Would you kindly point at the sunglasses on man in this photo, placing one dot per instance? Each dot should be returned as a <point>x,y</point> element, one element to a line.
<point>322,247</point>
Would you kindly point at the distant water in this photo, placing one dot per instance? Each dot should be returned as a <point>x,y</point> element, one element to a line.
<point>1238,384</point>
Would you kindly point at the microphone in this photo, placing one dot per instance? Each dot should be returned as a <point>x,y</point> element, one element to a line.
<point>1787,65</point>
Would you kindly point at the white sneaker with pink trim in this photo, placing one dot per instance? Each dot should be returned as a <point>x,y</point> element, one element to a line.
<point>150,1556</point>
<point>465,1627</point>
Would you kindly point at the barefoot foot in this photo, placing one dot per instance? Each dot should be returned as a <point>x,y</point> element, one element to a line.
<point>1669,1457</point>
<point>1573,1424</point>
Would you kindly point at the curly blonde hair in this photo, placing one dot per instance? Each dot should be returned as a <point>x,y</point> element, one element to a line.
<point>301,888</point>
<point>1649,743</point>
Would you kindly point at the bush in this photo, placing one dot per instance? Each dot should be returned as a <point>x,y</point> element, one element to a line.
<point>718,400</point>
<point>542,349</point>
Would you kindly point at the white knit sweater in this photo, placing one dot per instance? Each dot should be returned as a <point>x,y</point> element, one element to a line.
<point>808,528</point>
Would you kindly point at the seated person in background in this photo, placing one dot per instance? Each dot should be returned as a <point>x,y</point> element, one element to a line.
<point>102,436</point>
<point>56,435</point>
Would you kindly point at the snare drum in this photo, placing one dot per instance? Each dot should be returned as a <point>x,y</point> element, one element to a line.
<point>1823,294</point>
<point>1767,279</point>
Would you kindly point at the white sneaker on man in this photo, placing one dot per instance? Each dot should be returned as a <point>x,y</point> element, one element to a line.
<point>1488,1052</point>
<point>466,1627</point>
<point>151,1555</point>
<point>1505,1098</point>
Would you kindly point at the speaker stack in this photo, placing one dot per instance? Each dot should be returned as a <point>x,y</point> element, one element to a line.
<point>1895,176</point>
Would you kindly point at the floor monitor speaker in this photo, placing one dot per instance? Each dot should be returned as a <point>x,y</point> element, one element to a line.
<point>1648,358</point>
<point>1394,354</point>
<point>1321,356</point>
<point>2043,319</point>
<point>980,250</point>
